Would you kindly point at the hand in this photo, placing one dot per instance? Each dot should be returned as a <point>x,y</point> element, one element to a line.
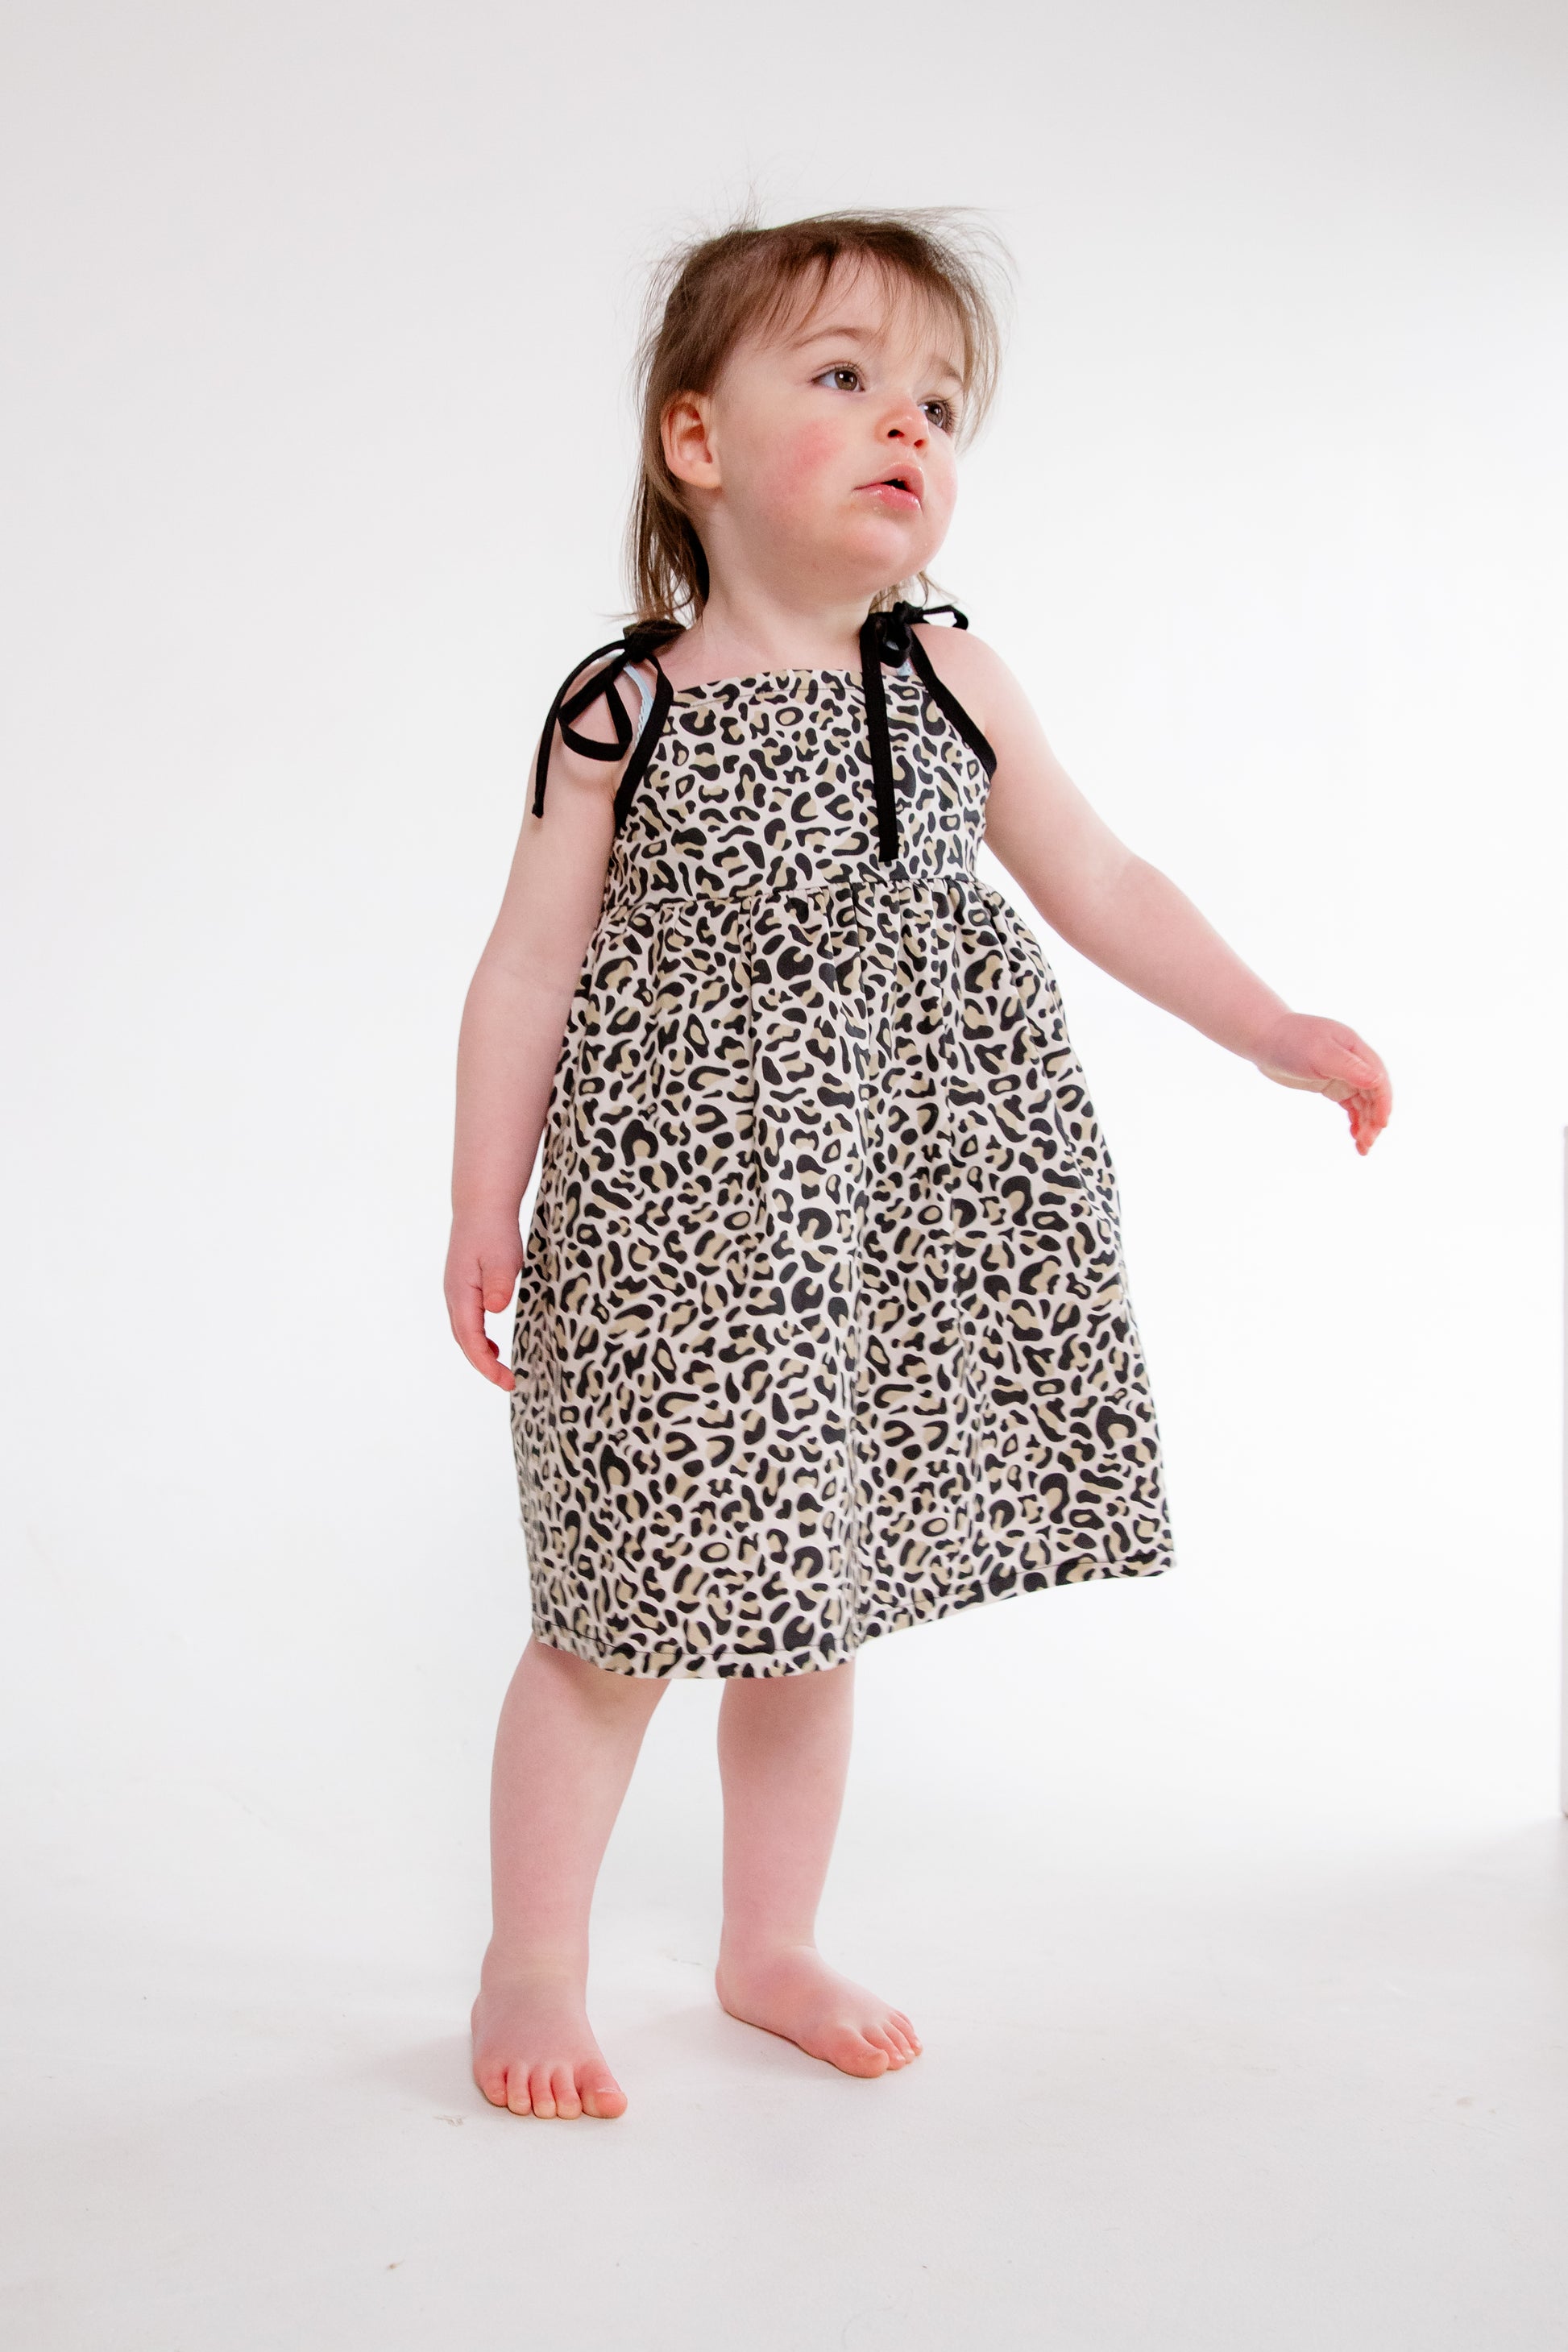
<point>1327,1058</point>
<point>483,1263</point>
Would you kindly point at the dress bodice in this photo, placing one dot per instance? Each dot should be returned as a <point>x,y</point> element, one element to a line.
<point>765,783</point>
<point>795,781</point>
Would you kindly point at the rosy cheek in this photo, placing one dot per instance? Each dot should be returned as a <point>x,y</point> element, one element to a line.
<point>801,459</point>
<point>942,489</point>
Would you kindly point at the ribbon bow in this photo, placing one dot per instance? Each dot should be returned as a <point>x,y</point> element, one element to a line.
<point>886,639</point>
<point>641,643</point>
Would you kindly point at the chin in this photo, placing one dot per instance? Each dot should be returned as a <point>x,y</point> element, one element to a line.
<point>877,560</point>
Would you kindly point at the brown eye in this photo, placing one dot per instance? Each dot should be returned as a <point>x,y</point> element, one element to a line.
<point>842,379</point>
<point>940,414</point>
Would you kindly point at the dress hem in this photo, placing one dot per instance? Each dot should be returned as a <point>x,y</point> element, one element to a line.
<point>765,1667</point>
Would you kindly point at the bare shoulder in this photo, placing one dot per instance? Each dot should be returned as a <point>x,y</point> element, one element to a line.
<point>1031,799</point>
<point>979,676</point>
<point>611,711</point>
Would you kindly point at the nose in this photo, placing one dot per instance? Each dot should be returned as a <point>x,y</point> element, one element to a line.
<point>908,424</point>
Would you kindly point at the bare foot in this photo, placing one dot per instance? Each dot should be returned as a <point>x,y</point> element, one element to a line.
<point>793,1991</point>
<point>534,2051</point>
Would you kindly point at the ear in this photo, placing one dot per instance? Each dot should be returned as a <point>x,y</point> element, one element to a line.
<point>686,430</point>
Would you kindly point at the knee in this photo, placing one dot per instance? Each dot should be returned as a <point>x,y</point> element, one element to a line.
<point>591,1686</point>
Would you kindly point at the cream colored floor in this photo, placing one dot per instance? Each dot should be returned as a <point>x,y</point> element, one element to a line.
<point>1230,2055</point>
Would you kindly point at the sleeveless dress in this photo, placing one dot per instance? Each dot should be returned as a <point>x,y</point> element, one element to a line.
<point>823,1329</point>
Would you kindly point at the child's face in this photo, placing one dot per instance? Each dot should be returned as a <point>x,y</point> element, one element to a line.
<point>823,461</point>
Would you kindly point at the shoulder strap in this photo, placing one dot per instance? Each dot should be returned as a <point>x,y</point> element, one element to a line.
<point>891,637</point>
<point>640,643</point>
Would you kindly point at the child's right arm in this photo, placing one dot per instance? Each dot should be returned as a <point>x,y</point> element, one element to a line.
<point>514,1020</point>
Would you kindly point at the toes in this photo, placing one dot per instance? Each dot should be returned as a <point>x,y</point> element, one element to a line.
<point>493,2085</point>
<point>553,2091</point>
<point>600,2093</point>
<point>884,2038</point>
<point>852,2053</point>
<point>564,2090</point>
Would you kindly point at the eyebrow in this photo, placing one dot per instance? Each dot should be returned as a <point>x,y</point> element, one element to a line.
<point>851,334</point>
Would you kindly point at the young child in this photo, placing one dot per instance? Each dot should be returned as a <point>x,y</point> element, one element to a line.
<point>823,1328</point>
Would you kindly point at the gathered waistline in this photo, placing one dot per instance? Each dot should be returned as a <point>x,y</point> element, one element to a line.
<point>871,884</point>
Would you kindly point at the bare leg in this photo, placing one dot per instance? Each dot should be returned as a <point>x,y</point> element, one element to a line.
<point>784,1754</point>
<point>568,1738</point>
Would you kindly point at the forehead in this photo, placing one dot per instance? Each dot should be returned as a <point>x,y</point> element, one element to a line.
<point>878,298</point>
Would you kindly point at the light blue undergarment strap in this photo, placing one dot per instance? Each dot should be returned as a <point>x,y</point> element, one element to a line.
<point>645,692</point>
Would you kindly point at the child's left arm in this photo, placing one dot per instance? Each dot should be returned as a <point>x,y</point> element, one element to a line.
<point>1129,919</point>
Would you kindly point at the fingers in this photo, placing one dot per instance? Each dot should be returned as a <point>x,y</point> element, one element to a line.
<point>1368,1111</point>
<point>1351,1073</point>
<point>1328,1058</point>
<point>1368,1096</point>
<point>471,1296</point>
<point>468,1330</point>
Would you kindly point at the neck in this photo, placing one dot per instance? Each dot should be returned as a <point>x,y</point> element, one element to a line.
<point>746,628</point>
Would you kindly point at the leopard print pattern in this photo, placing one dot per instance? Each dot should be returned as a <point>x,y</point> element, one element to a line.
<point>823,1329</point>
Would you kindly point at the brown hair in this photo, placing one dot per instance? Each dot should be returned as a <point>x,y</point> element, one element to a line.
<point>705,296</point>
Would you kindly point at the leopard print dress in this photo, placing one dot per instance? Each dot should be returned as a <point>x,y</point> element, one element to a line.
<point>823,1328</point>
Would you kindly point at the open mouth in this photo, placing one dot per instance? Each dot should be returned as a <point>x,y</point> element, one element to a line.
<point>897,490</point>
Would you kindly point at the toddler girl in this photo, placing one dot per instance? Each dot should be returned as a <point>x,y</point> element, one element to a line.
<point>823,1328</point>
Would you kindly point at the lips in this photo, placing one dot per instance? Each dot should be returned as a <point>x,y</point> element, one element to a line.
<point>901,489</point>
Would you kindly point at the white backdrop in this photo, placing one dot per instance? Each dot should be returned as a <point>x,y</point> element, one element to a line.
<point>318,448</point>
